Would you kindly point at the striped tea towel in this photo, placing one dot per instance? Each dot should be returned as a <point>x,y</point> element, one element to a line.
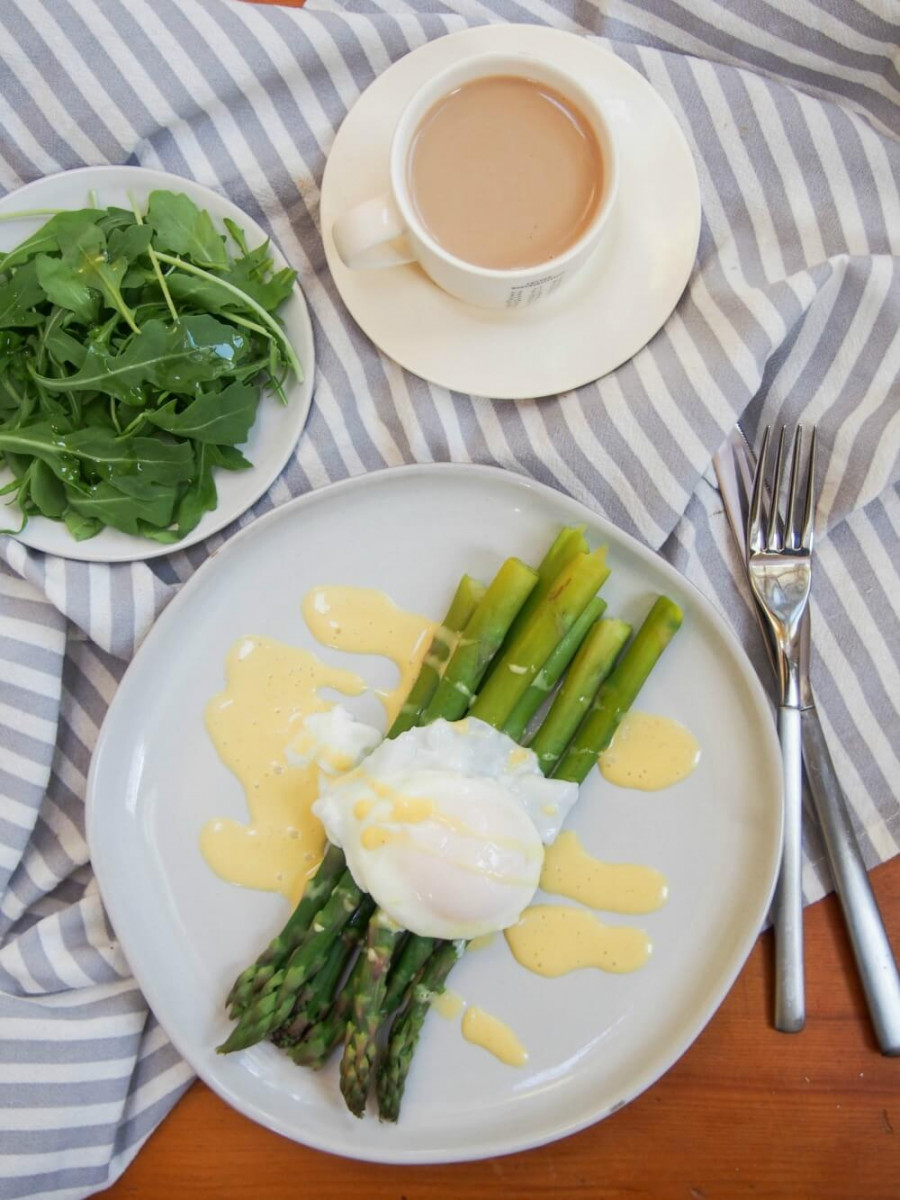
<point>792,110</point>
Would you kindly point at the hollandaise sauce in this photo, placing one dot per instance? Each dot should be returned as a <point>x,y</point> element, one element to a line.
<point>269,688</point>
<point>366,621</point>
<point>613,887</point>
<point>553,940</point>
<point>493,1035</point>
<point>649,753</point>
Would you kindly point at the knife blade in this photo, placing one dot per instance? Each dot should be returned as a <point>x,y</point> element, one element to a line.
<point>734,465</point>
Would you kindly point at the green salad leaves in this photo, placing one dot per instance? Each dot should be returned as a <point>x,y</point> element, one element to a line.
<point>134,349</point>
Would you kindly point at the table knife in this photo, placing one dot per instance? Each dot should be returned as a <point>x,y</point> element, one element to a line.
<point>734,465</point>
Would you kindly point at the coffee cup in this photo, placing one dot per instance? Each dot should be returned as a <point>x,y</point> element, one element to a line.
<point>525,258</point>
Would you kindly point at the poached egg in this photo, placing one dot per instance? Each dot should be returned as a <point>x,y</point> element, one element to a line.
<point>444,826</point>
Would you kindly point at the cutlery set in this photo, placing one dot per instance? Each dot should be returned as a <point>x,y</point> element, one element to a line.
<point>777,550</point>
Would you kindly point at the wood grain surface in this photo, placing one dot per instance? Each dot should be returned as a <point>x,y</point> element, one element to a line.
<point>747,1112</point>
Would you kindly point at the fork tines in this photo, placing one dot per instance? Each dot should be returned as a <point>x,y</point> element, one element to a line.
<point>770,531</point>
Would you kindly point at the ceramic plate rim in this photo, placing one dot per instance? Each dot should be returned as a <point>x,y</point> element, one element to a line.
<point>739,953</point>
<point>513,393</point>
<point>298,408</point>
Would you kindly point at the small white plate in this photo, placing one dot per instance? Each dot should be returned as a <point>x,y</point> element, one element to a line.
<point>611,309</point>
<point>277,427</point>
<point>595,1040</point>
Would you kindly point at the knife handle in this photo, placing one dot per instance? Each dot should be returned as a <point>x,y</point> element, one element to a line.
<point>871,948</point>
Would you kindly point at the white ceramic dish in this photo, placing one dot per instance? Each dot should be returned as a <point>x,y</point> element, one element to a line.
<point>277,427</point>
<point>596,1041</point>
<point>612,308</point>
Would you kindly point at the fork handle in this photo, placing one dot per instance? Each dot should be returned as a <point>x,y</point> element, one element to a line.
<point>790,1003</point>
<point>871,948</point>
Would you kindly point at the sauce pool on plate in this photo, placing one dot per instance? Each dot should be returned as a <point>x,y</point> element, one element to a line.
<point>649,753</point>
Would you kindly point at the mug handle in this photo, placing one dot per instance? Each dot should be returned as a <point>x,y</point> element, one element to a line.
<point>363,236</point>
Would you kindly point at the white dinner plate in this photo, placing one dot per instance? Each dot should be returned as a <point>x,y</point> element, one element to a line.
<point>595,1040</point>
<point>612,308</point>
<point>277,427</point>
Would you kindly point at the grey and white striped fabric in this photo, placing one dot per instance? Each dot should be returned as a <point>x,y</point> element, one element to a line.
<point>792,109</point>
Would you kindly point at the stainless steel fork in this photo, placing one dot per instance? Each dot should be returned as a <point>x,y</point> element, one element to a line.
<point>779,564</point>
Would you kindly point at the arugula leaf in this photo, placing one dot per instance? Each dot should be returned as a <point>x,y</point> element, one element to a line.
<point>223,418</point>
<point>55,234</point>
<point>201,497</point>
<point>43,441</point>
<point>18,296</point>
<point>129,243</point>
<point>156,460</point>
<point>206,293</point>
<point>84,265</point>
<point>112,507</point>
<point>65,286</point>
<point>46,491</point>
<point>180,227</point>
<point>229,458</point>
<point>80,527</point>
<point>174,357</point>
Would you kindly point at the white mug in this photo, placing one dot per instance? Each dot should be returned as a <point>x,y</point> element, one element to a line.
<point>386,231</point>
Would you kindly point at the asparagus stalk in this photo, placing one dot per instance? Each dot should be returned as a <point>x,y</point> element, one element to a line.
<point>273,1005</point>
<point>591,665</point>
<point>321,1039</point>
<point>253,979</point>
<point>480,641</point>
<point>395,1063</point>
<point>552,671</point>
<point>620,690</point>
<point>360,1047</point>
<point>551,621</point>
<point>317,995</point>
<point>408,963</point>
<point>468,596</point>
<point>568,543</point>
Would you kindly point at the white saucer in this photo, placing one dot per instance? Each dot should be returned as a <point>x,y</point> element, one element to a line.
<point>610,311</point>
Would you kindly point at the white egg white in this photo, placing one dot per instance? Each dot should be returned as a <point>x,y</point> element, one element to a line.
<point>444,826</point>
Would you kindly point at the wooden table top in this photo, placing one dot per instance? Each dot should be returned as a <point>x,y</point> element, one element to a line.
<point>747,1112</point>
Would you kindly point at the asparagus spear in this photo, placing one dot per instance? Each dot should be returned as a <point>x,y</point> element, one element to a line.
<point>320,1040</point>
<point>480,641</point>
<point>551,621</point>
<point>253,979</point>
<point>567,544</point>
<point>591,665</point>
<point>317,995</point>
<point>360,1047</point>
<point>273,1005</point>
<point>620,690</point>
<point>552,671</point>
<point>468,596</point>
<point>395,1063</point>
<point>408,963</point>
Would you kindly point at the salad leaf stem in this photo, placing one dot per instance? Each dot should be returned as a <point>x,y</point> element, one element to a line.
<point>250,303</point>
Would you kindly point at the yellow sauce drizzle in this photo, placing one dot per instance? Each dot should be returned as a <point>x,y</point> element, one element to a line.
<point>376,837</point>
<point>411,810</point>
<point>552,940</point>
<point>480,1028</point>
<point>366,621</point>
<point>362,808</point>
<point>270,687</point>
<point>448,1005</point>
<point>481,943</point>
<point>649,753</point>
<point>614,887</point>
